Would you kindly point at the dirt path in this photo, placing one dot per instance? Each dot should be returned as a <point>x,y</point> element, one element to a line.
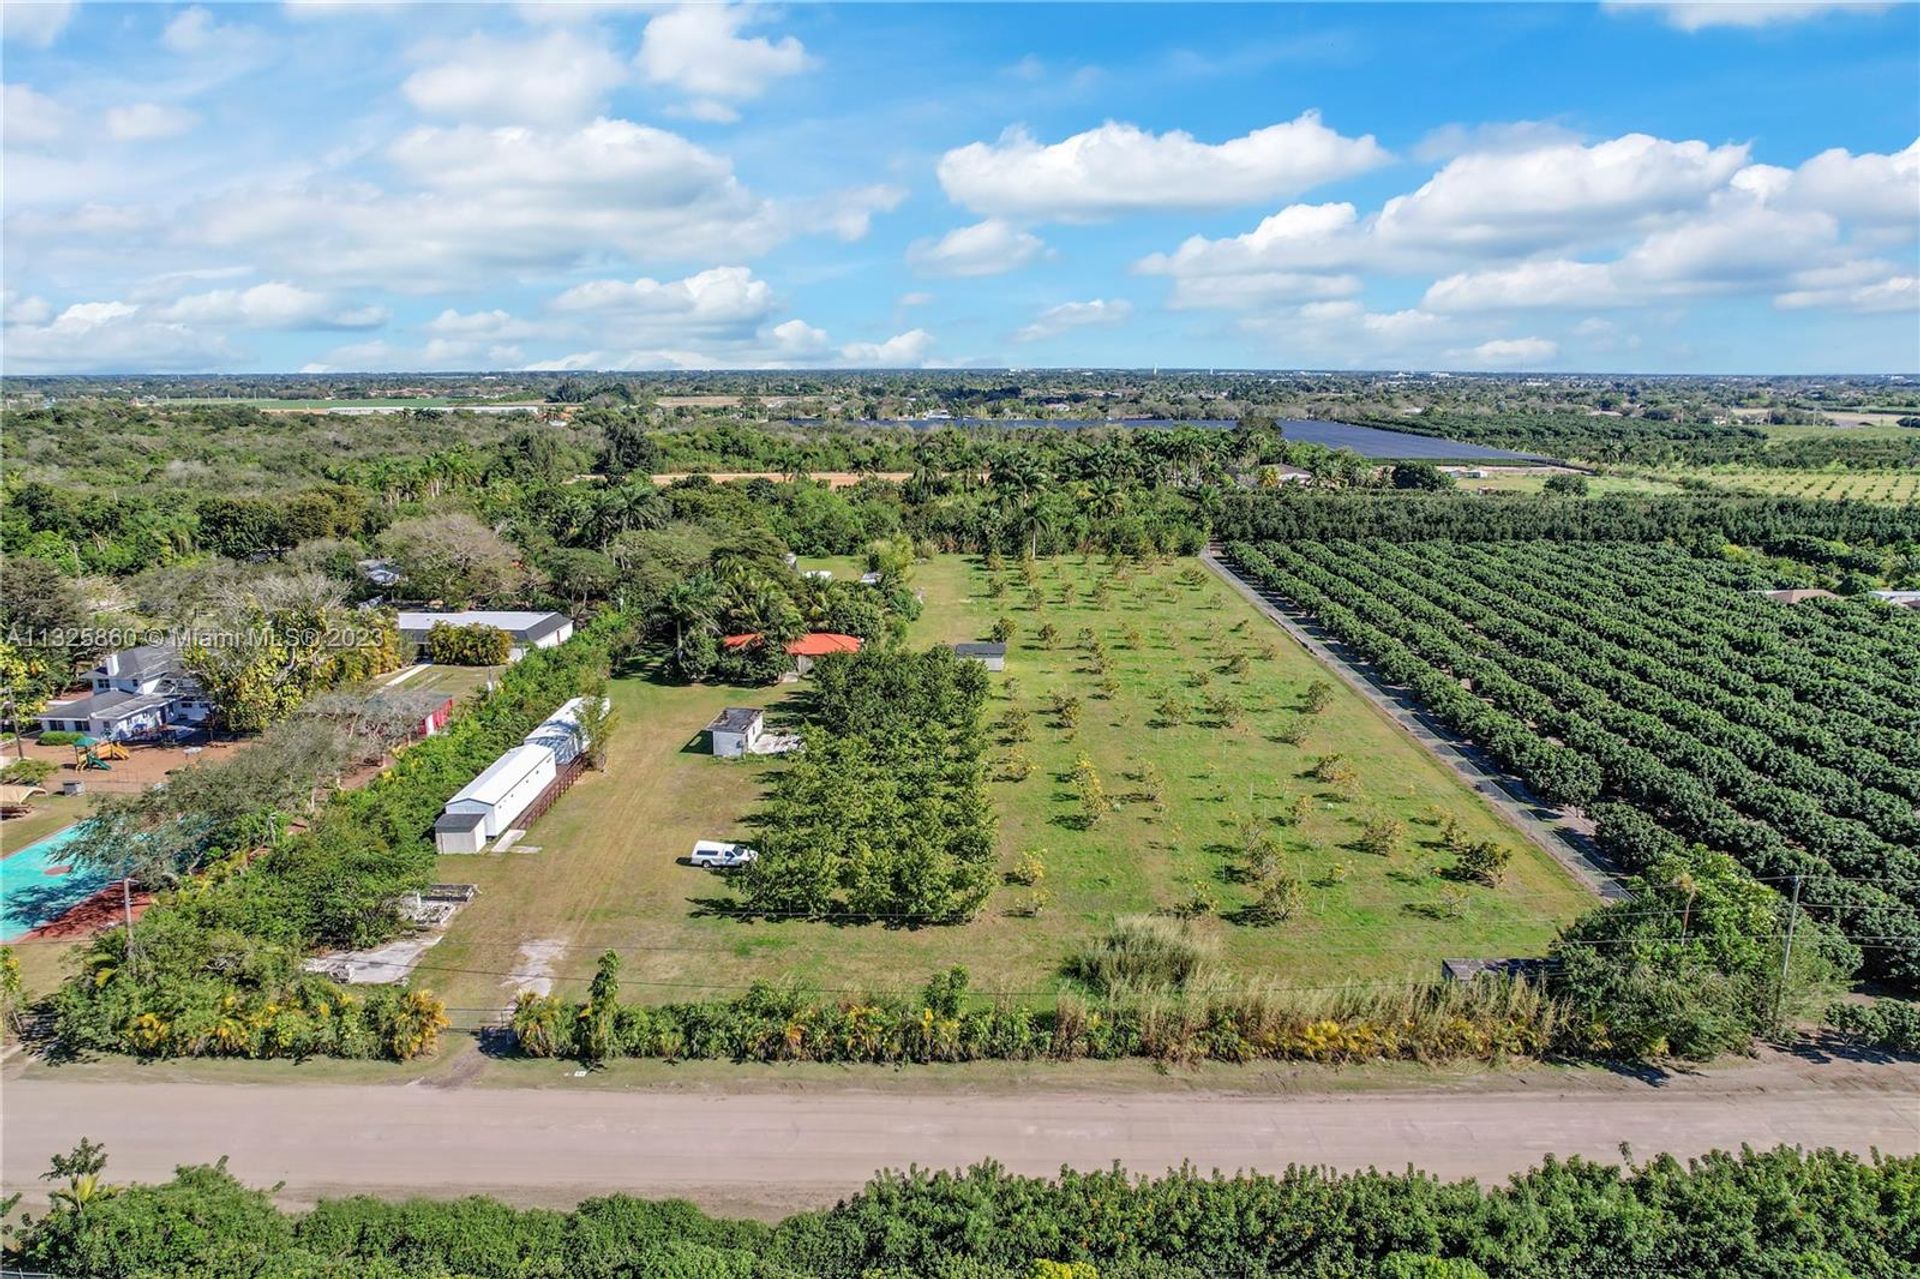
<point>766,1153</point>
<point>1566,837</point>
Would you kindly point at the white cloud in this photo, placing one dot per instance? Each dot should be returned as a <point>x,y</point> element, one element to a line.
<point>37,23</point>
<point>1513,353</point>
<point>1537,283</point>
<point>99,337</point>
<point>481,326</point>
<point>517,200</point>
<point>916,298</point>
<point>1246,290</point>
<point>556,79</point>
<point>723,299</point>
<point>902,351</point>
<point>273,305</point>
<point>798,340</point>
<point>1300,236</point>
<point>301,10</point>
<point>24,310</point>
<point>1698,15</point>
<point>1518,200</point>
<point>1452,140</point>
<point>148,121</point>
<point>992,247</point>
<point>1895,293</point>
<point>698,49</point>
<point>1120,168</point>
<point>193,32</point>
<point>31,119</point>
<point>1056,320</point>
<point>1867,188</point>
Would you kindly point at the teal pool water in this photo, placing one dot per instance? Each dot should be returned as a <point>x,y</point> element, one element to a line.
<point>32,893</point>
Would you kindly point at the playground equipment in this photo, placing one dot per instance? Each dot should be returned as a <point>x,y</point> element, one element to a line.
<point>112,750</point>
<point>90,760</point>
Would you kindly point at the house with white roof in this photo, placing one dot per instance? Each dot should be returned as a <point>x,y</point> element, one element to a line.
<point>527,629</point>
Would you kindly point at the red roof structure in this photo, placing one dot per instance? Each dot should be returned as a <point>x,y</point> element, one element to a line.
<point>818,644</point>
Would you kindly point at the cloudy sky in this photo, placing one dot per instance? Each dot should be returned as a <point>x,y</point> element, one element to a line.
<point>322,185</point>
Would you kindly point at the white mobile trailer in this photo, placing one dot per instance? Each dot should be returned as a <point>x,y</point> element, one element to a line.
<point>562,732</point>
<point>504,791</point>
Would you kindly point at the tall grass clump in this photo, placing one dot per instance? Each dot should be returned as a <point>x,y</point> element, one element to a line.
<point>1142,955</point>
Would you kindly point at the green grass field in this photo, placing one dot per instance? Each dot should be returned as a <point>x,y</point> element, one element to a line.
<point>609,874</point>
<point>1598,485</point>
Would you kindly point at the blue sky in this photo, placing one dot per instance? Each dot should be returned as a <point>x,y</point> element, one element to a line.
<point>335,186</point>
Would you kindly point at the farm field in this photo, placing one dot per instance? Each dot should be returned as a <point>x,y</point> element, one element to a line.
<point>609,875</point>
<point>1518,481</point>
<point>1778,734</point>
<point>1901,487</point>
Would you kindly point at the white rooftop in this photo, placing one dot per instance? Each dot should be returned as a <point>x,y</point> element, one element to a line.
<point>503,775</point>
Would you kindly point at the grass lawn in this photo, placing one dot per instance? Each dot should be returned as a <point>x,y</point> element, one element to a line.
<point>609,875</point>
<point>1598,485</point>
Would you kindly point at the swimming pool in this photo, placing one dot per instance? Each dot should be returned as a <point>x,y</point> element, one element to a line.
<point>31,893</point>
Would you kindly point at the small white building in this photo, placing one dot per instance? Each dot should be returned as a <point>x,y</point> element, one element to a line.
<point>497,797</point>
<point>735,730</point>
<point>990,653</point>
<point>528,630</point>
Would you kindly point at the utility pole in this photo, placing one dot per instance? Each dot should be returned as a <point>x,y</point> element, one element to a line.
<point>126,906</point>
<point>1786,951</point>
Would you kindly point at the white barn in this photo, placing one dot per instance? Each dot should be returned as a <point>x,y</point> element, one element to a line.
<point>497,797</point>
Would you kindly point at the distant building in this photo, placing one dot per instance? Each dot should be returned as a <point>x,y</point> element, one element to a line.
<point>528,630</point>
<point>135,691</point>
<point>1796,596</point>
<point>735,729</point>
<point>381,573</point>
<point>806,650</point>
<point>990,653</point>
<point>1899,599</point>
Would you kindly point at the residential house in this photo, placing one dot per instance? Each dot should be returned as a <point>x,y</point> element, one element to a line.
<point>528,630</point>
<point>135,691</point>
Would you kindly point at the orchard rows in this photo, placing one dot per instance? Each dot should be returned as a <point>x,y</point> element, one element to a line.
<point>1661,693</point>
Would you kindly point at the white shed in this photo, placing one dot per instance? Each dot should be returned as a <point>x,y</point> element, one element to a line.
<point>735,730</point>
<point>504,791</point>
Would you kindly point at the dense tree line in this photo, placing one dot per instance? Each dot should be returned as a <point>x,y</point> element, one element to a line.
<point>1786,737</point>
<point>883,812</point>
<point>1770,1214</point>
<point>1691,520</point>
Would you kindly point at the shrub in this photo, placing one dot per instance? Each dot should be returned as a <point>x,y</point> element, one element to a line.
<point>59,737</point>
<point>28,772</point>
<point>1884,1023</point>
<point>1139,954</point>
<point>475,645</point>
<point>1484,862</point>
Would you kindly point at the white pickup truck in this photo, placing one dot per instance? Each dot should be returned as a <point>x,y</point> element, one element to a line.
<point>714,854</point>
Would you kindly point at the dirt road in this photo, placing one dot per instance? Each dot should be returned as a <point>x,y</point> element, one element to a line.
<point>765,1153</point>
